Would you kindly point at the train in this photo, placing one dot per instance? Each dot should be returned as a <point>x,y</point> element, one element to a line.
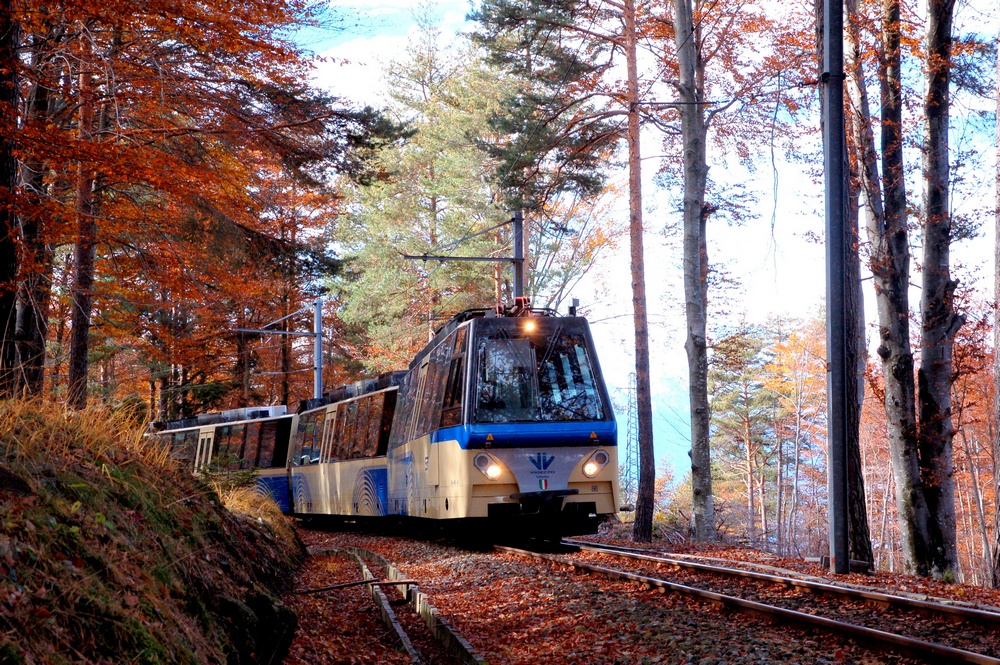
<point>501,424</point>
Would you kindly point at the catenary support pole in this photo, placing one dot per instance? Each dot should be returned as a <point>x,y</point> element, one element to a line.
<point>318,349</point>
<point>835,154</point>
<point>518,254</point>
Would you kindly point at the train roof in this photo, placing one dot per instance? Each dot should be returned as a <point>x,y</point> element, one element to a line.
<point>229,416</point>
<point>520,308</point>
<point>351,390</point>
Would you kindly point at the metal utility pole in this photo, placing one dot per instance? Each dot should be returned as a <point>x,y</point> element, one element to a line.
<point>517,260</point>
<point>318,348</point>
<point>316,334</point>
<point>518,222</point>
<point>835,155</point>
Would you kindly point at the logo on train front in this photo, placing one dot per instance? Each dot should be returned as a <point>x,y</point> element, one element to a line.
<point>543,483</point>
<point>541,461</point>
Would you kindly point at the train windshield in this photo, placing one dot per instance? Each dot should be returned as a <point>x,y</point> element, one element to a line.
<point>536,369</point>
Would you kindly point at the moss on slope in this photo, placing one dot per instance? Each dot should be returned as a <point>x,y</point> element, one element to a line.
<point>109,552</point>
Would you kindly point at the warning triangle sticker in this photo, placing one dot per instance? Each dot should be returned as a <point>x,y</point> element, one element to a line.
<point>489,437</point>
<point>593,435</point>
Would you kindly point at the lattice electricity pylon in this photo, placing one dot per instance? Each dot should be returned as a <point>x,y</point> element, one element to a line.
<point>630,465</point>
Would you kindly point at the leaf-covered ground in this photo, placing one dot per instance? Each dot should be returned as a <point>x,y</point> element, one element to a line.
<point>518,611</point>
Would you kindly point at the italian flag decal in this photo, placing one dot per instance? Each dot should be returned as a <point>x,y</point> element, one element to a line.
<point>543,483</point>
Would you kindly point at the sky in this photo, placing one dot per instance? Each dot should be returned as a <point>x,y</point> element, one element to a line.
<point>779,264</point>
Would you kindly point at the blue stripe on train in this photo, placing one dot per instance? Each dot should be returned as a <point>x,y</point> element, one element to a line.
<point>526,435</point>
<point>371,496</point>
<point>275,487</point>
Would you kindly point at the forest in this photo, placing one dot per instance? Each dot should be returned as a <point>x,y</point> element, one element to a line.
<point>173,180</point>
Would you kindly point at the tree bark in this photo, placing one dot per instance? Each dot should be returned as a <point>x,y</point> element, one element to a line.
<point>996,344</point>
<point>890,268</point>
<point>35,290</point>
<point>695,266</point>
<point>84,253</point>
<point>642,528</point>
<point>864,183</point>
<point>939,319</point>
<point>9,35</point>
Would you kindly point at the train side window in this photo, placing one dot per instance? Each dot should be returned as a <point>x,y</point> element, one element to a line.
<point>451,407</point>
<point>435,383</point>
<point>327,438</point>
<point>183,445</point>
<point>268,434</point>
<point>350,418</point>
<point>305,439</point>
<point>361,428</point>
<point>375,404</point>
<point>221,448</point>
<point>234,453</point>
<point>388,402</point>
<point>282,436</point>
<point>296,442</point>
<point>251,446</point>
<point>416,402</point>
<point>340,447</point>
<point>404,407</point>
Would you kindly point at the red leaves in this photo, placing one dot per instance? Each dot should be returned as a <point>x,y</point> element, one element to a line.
<point>341,626</point>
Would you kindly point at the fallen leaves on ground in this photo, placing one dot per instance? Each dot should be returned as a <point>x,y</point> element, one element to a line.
<point>517,611</point>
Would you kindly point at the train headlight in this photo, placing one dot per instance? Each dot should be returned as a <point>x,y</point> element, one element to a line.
<point>488,466</point>
<point>595,463</point>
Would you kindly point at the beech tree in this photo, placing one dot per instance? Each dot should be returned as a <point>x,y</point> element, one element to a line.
<point>724,97</point>
<point>8,186</point>
<point>996,336</point>
<point>919,422</point>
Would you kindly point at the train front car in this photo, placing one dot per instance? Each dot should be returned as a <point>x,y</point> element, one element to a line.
<point>505,422</point>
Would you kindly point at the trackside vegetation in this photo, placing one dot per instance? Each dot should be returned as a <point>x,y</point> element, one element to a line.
<point>109,552</point>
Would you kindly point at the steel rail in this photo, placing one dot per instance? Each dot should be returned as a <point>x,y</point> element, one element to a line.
<point>982,616</point>
<point>928,651</point>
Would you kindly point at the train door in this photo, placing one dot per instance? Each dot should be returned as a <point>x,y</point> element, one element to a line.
<point>203,454</point>
<point>326,469</point>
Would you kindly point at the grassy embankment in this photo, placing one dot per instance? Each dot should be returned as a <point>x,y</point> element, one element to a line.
<point>109,552</point>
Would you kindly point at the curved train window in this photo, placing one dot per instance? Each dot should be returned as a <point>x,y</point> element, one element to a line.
<point>306,438</point>
<point>404,409</point>
<point>228,446</point>
<point>388,408</point>
<point>251,446</point>
<point>268,434</point>
<point>184,444</point>
<point>542,375</point>
<point>507,388</point>
<point>451,406</point>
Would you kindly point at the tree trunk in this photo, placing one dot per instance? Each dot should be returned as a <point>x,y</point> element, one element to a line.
<point>890,259</point>
<point>9,35</point>
<point>84,254</point>
<point>996,345</point>
<point>939,319</point>
<point>864,183</point>
<point>751,486</point>
<point>35,289</point>
<point>695,267</point>
<point>642,528</point>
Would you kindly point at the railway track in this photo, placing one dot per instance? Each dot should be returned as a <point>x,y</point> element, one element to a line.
<point>944,633</point>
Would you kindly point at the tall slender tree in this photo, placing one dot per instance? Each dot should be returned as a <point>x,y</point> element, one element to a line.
<point>996,337</point>
<point>8,184</point>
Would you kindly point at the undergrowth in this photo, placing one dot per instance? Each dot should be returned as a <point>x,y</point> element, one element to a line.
<point>109,552</point>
